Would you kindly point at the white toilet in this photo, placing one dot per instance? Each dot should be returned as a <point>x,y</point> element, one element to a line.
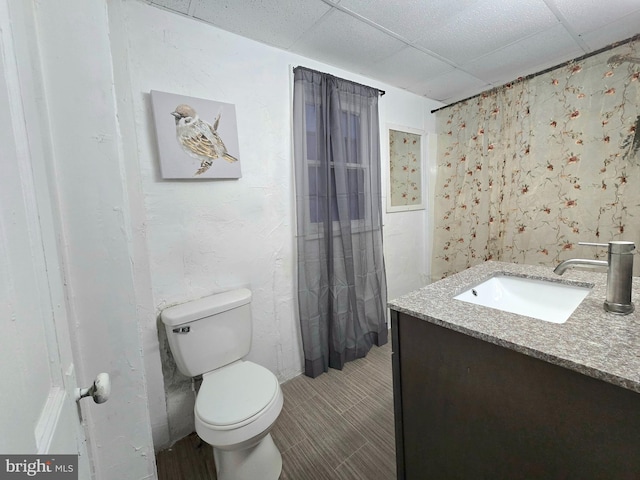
<point>238,401</point>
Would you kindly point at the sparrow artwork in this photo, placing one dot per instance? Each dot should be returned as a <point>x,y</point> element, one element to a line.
<point>200,139</point>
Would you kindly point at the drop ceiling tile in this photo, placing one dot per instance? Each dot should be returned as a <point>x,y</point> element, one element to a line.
<point>451,86</point>
<point>530,55</point>
<point>410,18</point>
<point>587,15</point>
<point>622,29</point>
<point>487,26</point>
<point>344,41</point>
<point>465,94</point>
<point>275,22</point>
<point>493,41</point>
<point>180,6</point>
<point>402,68</point>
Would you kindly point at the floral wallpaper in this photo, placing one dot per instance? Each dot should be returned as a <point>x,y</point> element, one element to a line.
<point>529,170</point>
<point>404,169</point>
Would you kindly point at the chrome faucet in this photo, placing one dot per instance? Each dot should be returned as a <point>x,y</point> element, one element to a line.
<point>619,266</point>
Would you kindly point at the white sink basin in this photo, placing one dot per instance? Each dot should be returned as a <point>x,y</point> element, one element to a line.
<point>545,300</point>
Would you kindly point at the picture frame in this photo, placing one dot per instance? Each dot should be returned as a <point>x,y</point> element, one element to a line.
<point>407,168</point>
<point>204,145</point>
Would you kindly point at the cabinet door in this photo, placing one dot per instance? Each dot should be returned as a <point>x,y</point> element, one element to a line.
<point>472,409</point>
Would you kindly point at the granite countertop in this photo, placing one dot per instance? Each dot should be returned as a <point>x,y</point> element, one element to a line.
<point>592,342</point>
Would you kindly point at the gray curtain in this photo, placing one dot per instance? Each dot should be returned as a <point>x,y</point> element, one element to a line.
<point>342,291</point>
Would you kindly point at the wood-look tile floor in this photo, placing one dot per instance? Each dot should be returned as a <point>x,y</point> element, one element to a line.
<point>333,427</point>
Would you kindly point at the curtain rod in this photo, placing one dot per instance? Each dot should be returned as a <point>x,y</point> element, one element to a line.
<point>381,92</point>
<point>546,70</point>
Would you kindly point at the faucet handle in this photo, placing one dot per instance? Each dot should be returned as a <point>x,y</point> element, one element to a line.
<point>622,247</point>
<point>591,244</point>
<point>614,246</point>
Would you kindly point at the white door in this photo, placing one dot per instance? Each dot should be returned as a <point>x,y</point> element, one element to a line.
<point>38,412</point>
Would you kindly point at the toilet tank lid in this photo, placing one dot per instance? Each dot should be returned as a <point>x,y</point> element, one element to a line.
<point>204,307</point>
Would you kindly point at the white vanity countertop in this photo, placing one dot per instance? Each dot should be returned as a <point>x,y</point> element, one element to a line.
<point>593,342</point>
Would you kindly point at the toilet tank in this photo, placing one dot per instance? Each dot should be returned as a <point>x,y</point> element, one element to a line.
<point>210,332</point>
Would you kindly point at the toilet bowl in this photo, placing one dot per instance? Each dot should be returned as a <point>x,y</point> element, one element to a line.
<point>235,409</point>
<point>238,401</point>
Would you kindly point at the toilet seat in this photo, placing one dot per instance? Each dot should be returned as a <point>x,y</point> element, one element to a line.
<point>232,395</point>
<point>236,403</point>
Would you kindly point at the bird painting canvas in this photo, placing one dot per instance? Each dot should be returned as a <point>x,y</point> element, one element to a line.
<point>197,138</point>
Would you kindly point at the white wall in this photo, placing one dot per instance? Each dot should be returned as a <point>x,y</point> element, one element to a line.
<point>208,236</point>
<point>407,235</point>
<point>91,191</point>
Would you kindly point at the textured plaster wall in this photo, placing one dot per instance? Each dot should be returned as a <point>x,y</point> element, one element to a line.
<point>82,143</point>
<point>407,235</point>
<point>209,236</point>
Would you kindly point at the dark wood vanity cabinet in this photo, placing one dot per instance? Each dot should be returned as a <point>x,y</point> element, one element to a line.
<point>468,409</point>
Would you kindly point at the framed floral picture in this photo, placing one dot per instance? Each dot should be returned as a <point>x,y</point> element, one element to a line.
<point>406,169</point>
